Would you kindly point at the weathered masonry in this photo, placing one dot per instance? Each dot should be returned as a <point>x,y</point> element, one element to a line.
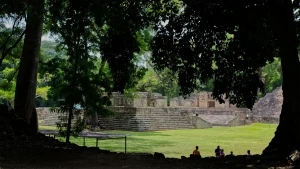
<point>149,111</point>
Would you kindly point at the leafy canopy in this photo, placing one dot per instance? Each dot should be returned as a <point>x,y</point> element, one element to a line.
<point>196,44</point>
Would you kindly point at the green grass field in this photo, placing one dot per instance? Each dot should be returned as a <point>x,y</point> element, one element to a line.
<point>175,143</point>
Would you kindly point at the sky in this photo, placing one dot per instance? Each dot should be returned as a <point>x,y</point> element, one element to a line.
<point>47,37</point>
<point>9,24</point>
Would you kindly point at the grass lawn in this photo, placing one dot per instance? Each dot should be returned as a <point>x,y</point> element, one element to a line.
<point>175,143</point>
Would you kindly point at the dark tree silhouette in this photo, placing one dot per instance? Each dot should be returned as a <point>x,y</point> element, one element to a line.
<point>27,76</point>
<point>230,41</point>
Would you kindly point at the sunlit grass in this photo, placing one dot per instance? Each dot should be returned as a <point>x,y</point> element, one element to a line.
<point>47,128</point>
<point>175,143</point>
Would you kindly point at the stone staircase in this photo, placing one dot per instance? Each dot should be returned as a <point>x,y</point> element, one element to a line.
<point>218,120</point>
<point>164,121</point>
<point>143,121</point>
<point>47,118</point>
<point>155,118</point>
<point>120,121</point>
<point>50,120</point>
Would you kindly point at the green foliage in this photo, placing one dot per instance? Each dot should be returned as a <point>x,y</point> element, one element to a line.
<point>120,24</point>
<point>272,76</point>
<point>75,77</point>
<point>7,85</point>
<point>209,86</point>
<point>192,42</point>
<point>10,65</point>
<point>113,33</point>
<point>42,92</point>
<point>10,38</point>
<point>9,71</point>
<point>63,124</point>
<point>163,82</point>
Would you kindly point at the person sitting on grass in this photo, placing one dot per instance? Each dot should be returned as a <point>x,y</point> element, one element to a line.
<point>217,151</point>
<point>248,153</point>
<point>222,154</point>
<point>196,152</point>
<point>231,154</point>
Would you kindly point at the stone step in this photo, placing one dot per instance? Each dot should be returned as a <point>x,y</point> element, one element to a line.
<point>218,119</point>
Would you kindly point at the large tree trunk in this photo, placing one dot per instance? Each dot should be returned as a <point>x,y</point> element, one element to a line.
<point>287,137</point>
<point>27,77</point>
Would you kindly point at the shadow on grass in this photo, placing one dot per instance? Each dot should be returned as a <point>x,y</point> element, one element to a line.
<point>136,133</point>
<point>134,144</point>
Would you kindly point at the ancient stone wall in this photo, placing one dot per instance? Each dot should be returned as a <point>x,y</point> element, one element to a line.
<point>144,99</point>
<point>143,119</point>
<point>137,100</point>
<point>264,119</point>
<point>49,118</point>
<point>268,108</point>
<point>149,111</point>
<point>202,100</point>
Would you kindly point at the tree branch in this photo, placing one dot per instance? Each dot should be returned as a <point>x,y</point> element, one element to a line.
<point>13,46</point>
<point>16,71</point>
<point>12,33</point>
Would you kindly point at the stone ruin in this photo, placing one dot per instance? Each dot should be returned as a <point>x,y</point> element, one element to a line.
<point>268,108</point>
<point>150,111</point>
<point>145,99</point>
<point>140,99</point>
<point>201,100</point>
<point>145,111</point>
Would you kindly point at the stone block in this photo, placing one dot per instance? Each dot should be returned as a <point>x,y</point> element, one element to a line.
<point>181,101</point>
<point>203,96</point>
<point>116,99</point>
<point>140,102</point>
<point>128,102</point>
<point>174,103</point>
<point>203,104</point>
<point>232,106</point>
<point>195,102</point>
<point>211,103</point>
<point>219,105</point>
<point>188,103</point>
<point>160,103</point>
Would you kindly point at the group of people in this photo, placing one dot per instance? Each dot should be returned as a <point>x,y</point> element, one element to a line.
<point>218,152</point>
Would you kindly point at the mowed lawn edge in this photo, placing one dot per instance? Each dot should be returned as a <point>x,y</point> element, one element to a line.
<point>177,143</point>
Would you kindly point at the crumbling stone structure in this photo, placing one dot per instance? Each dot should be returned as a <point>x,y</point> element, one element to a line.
<point>202,100</point>
<point>268,108</point>
<point>149,111</point>
<point>140,99</point>
<point>137,100</point>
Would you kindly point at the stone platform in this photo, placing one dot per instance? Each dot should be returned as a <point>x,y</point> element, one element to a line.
<point>150,111</point>
<point>151,119</point>
<point>143,119</point>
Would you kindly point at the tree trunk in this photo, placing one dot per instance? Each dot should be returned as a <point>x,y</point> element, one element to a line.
<point>33,126</point>
<point>286,137</point>
<point>70,117</point>
<point>27,76</point>
<point>73,87</point>
<point>94,116</point>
